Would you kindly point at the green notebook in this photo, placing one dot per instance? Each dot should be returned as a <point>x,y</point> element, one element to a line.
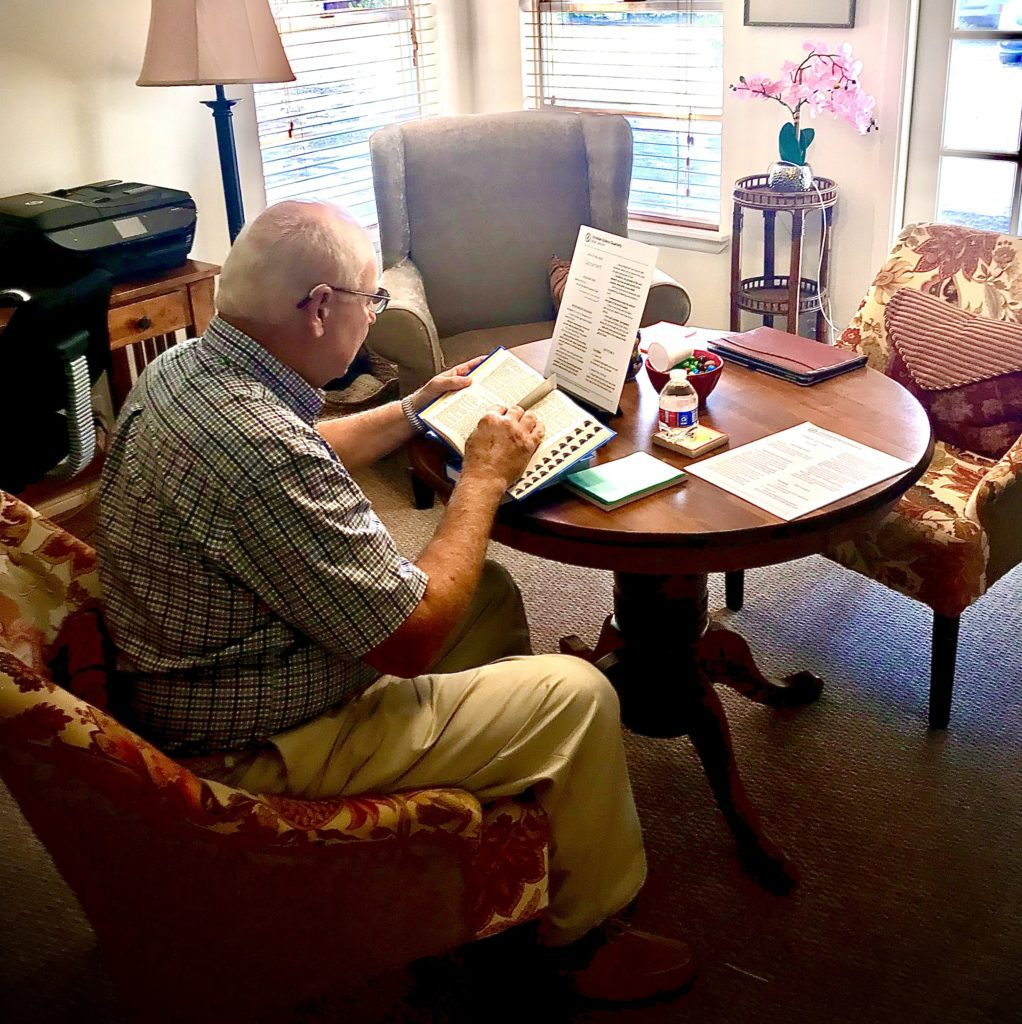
<point>616,483</point>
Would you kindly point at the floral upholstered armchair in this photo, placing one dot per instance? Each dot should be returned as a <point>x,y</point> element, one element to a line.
<point>211,903</point>
<point>959,529</point>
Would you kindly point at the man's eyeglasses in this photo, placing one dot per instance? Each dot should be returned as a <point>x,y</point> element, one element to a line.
<point>379,298</point>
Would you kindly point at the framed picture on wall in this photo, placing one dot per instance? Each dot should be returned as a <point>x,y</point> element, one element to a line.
<point>801,13</point>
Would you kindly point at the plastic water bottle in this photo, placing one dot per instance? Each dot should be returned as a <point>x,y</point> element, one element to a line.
<point>679,406</point>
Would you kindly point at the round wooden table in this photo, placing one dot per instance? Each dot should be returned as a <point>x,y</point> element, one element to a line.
<point>659,647</point>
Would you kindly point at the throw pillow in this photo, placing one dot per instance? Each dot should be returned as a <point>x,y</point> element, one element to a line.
<point>965,370</point>
<point>558,279</point>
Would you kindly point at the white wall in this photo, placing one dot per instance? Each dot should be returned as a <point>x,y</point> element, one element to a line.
<point>70,113</point>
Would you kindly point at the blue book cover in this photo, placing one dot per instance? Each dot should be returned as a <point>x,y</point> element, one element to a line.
<point>503,380</point>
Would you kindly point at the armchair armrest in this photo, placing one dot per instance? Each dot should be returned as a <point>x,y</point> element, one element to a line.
<point>997,505</point>
<point>405,332</point>
<point>667,301</point>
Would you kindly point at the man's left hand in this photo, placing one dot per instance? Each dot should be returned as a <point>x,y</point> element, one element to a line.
<point>453,379</point>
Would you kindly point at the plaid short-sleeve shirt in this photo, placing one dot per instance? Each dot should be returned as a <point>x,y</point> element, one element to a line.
<point>244,572</point>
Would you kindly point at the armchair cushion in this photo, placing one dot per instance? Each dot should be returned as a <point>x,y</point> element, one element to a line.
<point>977,271</point>
<point>965,370</point>
<point>461,347</point>
<point>931,547</point>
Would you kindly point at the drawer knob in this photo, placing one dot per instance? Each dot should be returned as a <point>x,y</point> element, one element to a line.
<point>143,323</point>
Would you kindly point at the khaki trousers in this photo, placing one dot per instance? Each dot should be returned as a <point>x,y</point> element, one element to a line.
<point>548,722</point>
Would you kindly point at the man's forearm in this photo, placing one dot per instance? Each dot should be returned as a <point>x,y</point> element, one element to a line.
<point>365,437</point>
<point>453,560</point>
<point>455,555</point>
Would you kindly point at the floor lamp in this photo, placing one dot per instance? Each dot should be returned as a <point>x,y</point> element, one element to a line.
<point>216,42</point>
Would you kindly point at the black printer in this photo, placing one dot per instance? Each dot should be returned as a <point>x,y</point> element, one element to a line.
<point>123,227</point>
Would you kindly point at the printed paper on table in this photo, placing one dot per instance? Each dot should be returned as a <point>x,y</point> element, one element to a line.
<point>599,316</point>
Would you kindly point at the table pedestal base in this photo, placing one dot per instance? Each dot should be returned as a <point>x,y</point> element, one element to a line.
<point>664,655</point>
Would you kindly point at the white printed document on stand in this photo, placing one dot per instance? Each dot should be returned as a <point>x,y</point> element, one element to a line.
<point>602,305</point>
<point>798,470</point>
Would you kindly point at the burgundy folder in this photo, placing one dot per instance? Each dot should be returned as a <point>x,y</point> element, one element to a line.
<point>788,356</point>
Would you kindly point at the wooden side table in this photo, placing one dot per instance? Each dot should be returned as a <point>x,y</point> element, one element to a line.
<point>146,316</point>
<point>771,294</point>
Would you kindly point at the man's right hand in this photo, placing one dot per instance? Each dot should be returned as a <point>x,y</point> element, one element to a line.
<point>502,445</point>
<point>496,455</point>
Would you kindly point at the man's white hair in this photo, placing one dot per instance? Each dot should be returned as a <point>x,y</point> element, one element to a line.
<point>285,252</point>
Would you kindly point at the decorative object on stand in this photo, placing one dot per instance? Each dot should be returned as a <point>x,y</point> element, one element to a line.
<point>216,42</point>
<point>826,82</point>
<point>770,293</point>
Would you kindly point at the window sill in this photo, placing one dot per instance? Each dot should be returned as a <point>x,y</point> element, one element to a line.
<point>670,237</point>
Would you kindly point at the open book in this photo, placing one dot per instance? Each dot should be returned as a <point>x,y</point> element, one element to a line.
<point>503,380</point>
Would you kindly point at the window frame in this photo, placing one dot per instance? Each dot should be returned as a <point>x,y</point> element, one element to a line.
<point>937,33</point>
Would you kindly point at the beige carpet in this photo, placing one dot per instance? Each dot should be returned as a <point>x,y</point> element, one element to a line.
<point>910,843</point>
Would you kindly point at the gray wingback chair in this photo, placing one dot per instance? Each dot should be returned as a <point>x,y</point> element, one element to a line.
<point>471,210</point>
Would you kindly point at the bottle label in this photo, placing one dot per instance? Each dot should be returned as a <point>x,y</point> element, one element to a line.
<point>671,419</point>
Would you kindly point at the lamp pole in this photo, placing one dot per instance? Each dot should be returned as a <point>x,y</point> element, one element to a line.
<point>224,118</point>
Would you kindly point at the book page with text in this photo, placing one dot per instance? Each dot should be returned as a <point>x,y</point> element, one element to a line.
<point>570,434</point>
<point>503,380</point>
<point>498,382</point>
<point>798,470</point>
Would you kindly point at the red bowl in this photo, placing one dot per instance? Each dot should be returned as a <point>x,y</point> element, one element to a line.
<point>703,383</point>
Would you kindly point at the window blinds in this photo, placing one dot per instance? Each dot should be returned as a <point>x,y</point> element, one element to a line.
<point>359,65</point>
<point>658,62</point>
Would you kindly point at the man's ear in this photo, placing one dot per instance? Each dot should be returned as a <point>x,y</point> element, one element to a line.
<point>318,309</point>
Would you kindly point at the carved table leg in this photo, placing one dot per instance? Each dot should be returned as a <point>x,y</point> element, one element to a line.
<point>724,657</point>
<point>652,651</point>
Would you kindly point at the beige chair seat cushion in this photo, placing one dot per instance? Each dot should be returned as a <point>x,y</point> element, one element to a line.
<point>928,548</point>
<point>459,348</point>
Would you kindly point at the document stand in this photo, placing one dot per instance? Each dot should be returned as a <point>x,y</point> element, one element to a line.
<point>601,414</point>
<point>772,294</point>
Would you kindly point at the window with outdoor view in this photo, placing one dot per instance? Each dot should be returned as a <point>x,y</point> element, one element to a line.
<point>979,178</point>
<point>359,65</point>
<point>658,62</point>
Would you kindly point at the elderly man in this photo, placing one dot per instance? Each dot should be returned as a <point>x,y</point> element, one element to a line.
<point>261,608</point>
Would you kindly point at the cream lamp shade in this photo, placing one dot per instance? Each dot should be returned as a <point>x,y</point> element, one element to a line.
<point>213,42</point>
<point>216,42</point>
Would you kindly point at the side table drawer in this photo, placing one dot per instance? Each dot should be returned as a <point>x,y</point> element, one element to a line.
<point>161,314</point>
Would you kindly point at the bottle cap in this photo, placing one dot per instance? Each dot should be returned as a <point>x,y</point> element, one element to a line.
<point>680,373</point>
